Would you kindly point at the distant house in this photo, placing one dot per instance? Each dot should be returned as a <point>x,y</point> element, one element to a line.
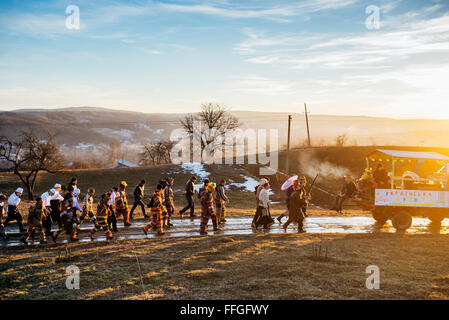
<point>121,163</point>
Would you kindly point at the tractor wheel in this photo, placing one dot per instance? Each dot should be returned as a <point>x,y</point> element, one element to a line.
<point>380,215</point>
<point>402,220</point>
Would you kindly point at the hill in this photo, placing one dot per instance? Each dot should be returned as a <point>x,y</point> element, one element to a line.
<point>86,131</point>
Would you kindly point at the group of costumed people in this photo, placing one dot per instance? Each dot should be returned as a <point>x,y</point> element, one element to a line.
<point>62,205</point>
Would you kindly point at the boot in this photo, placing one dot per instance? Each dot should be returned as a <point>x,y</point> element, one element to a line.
<point>145,230</point>
<point>24,240</point>
<point>91,235</point>
<point>54,236</point>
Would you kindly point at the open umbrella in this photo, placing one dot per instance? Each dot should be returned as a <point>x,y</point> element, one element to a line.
<point>287,184</point>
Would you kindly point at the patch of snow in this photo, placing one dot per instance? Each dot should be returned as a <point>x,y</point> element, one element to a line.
<point>122,133</point>
<point>85,146</point>
<point>197,169</point>
<point>158,131</point>
<point>143,126</point>
<point>249,185</point>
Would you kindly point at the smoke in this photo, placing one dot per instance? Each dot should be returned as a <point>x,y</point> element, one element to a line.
<point>311,166</point>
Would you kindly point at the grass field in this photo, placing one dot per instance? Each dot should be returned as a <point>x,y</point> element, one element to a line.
<point>258,266</point>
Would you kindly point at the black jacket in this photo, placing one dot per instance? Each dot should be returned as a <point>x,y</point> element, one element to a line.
<point>190,188</point>
<point>138,193</point>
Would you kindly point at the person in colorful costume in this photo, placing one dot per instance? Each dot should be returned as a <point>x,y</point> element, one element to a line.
<point>220,201</point>
<point>206,196</point>
<point>3,234</point>
<point>169,201</point>
<point>158,209</point>
<point>68,221</point>
<point>101,218</point>
<point>121,204</point>
<point>88,205</point>
<point>36,214</point>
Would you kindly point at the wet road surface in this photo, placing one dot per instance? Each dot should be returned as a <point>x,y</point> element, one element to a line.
<point>188,227</point>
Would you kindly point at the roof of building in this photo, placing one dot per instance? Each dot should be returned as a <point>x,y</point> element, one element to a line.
<point>125,163</point>
<point>410,154</point>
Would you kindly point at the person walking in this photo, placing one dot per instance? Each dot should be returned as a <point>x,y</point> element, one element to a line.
<point>13,209</point>
<point>299,201</point>
<point>169,201</point>
<point>264,217</point>
<point>121,204</point>
<point>257,190</point>
<point>3,235</point>
<point>69,223</point>
<point>101,217</point>
<point>157,209</point>
<point>206,196</point>
<point>55,205</point>
<point>88,205</point>
<point>190,191</point>
<point>35,216</point>
<point>288,193</point>
<point>220,201</point>
<point>139,192</point>
<point>112,218</point>
<point>46,199</point>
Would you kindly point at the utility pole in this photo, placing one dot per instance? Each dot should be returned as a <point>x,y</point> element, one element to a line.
<point>307,124</point>
<point>288,143</point>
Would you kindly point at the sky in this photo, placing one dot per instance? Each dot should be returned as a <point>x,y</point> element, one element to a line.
<point>171,56</point>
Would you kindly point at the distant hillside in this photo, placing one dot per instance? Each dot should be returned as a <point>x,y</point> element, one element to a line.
<point>87,130</point>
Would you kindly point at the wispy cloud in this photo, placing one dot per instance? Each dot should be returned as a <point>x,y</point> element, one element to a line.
<point>279,12</point>
<point>253,84</point>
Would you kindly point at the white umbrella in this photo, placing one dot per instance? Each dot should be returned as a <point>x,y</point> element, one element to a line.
<point>287,184</point>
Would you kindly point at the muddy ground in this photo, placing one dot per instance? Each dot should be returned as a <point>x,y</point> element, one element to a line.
<point>252,266</point>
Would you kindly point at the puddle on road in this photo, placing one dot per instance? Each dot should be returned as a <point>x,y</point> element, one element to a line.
<point>242,225</point>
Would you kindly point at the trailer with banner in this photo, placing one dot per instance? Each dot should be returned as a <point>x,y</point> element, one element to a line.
<point>417,186</point>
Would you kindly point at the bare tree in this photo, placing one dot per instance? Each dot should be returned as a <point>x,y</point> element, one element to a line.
<point>114,151</point>
<point>29,155</point>
<point>157,153</point>
<point>215,121</point>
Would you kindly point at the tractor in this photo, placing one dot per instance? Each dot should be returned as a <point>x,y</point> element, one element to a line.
<point>417,187</point>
